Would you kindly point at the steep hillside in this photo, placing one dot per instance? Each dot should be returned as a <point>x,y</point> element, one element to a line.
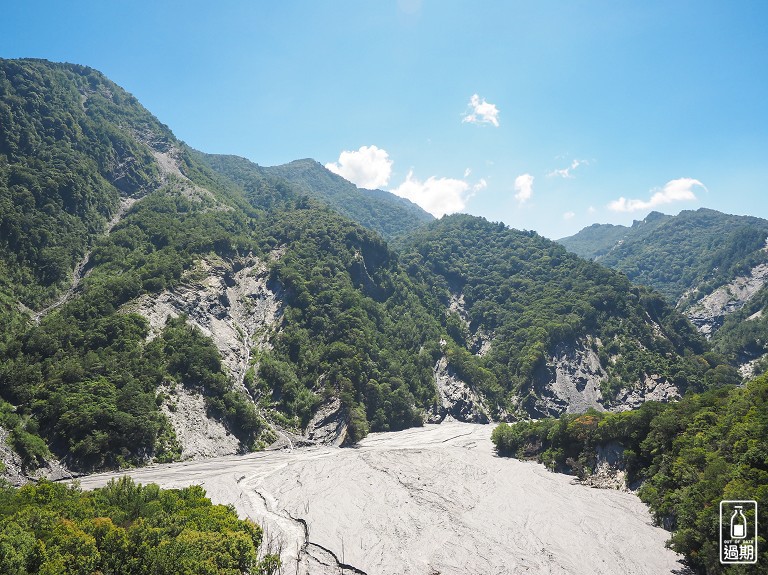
<point>381,211</point>
<point>695,250</point>
<point>69,151</point>
<point>117,207</point>
<point>189,315</point>
<point>712,266</point>
<point>548,331</point>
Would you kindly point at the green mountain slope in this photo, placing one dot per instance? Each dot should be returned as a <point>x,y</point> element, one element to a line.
<point>699,249</point>
<point>595,241</point>
<point>381,211</point>
<point>76,148</point>
<point>713,266</point>
<point>551,315</point>
<point>91,374</point>
<point>64,165</point>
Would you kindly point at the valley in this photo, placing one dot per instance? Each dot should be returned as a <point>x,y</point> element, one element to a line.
<point>198,319</point>
<point>422,501</point>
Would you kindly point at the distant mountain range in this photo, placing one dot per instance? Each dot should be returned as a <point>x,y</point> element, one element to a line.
<point>712,266</point>
<point>383,212</point>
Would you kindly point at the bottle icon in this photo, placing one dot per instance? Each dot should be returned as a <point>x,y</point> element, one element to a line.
<point>738,523</point>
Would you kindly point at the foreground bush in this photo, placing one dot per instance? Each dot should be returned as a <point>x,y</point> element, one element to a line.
<point>124,529</point>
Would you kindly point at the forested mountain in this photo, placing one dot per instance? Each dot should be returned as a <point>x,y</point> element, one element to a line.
<point>161,303</point>
<point>101,373</point>
<point>699,249</point>
<point>712,266</point>
<point>381,211</point>
<point>560,332</point>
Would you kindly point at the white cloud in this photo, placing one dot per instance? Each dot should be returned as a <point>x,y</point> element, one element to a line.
<point>438,196</point>
<point>369,167</point>
<point>467,172</point>
<point>480,185</point>
<point>568,215</point>
<point>481,112</point>
<point>568,172</point>
<point>591,209</point>
<point>523,188</point>
<point>673,191</point>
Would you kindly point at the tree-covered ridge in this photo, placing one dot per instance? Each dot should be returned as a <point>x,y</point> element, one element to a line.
<point>689,455</point>
<point>695,250</point>
<point>72,143</point>
<point>86,379</point>
<point>595,241</point>
<point>355,326</point>
<point>531,295</point>
<point>383,212</point>
<point>360,322</point>
<point>125,529</point>
<point>68,152</point>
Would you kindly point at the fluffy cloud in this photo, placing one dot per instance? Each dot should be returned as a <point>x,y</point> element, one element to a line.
<point>369,167</point>
<point>438,196</point>
<point>568,172</point>
<point>523,188</point>
<point>673,191</point>
<point>569,215</point>
<point>481,112</point>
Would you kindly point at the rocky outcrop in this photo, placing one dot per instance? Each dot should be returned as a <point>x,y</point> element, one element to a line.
<point>230,301</point>
<point>16,473</point>
<point>329,425</point>
<point>479,341</point>
<point>709,313</point>
<point>457,398</point>
<point>569,381</point>
<point>651,388</point>
<point>198,434</point>
<point>233,303</point>
<point>609,471</point>
<point>749,368</point>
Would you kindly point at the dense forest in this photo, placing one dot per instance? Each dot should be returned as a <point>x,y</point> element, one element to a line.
<point>125,529</point>
<point>531,295</point>
<point>686,258</point>
<point>699,249</point>
<point>85,377</point>
<point>362,321</point>
<point>380,211</point>
<point>688,455</point>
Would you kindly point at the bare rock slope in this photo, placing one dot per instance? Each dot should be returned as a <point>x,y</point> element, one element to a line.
<point>233,303</point>
<point>709,312</point>
<point>570,381</point>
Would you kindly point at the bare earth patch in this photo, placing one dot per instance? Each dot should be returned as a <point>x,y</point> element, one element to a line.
<point>427,500</point>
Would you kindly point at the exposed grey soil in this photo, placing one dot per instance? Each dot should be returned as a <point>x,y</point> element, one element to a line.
<point>423,501</point>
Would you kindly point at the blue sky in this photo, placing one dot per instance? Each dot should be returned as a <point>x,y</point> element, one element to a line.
<point>544,115</point>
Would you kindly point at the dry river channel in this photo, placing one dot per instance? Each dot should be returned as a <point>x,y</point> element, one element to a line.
<point>427,501</point>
